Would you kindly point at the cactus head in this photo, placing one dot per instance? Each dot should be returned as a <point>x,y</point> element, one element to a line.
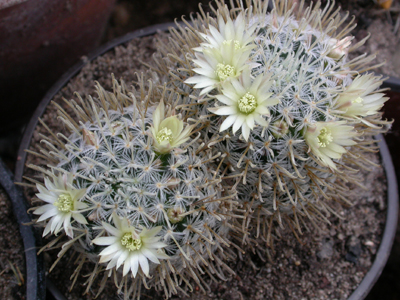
<point>280,97</point>
<point>134,193</point>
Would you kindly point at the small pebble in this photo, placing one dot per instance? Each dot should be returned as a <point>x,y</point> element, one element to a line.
<point>326,249</point>
<point>369,244</point>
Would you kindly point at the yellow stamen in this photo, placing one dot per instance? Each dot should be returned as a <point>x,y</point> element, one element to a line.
<point>236,42</point>
<point>130,243</point>
<point>247,104</point>
<point>224,71</point>
<point>358,100</point>
<point>324,137</point>
<point>64,203</point>
<point>164,134</point>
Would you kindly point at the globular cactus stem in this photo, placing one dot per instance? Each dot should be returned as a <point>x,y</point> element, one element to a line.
<point>134,194</point>
<point>280,97</point>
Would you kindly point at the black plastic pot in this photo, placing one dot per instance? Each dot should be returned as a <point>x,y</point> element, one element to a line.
<point>391,223</point>
<point>35,275</point>
<point>393,83</point>
<point>390,228</point>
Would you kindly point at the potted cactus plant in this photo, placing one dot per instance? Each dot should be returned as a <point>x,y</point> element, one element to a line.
<point>250,121</point>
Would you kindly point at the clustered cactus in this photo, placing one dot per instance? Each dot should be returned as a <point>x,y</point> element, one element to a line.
<point>154,186</point>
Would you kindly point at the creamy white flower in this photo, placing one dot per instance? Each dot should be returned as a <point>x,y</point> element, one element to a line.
<point>63,203</point>
<point>237,32</point>
<point>358,99</point>
<point>339,48</point>
<point>246,101</point>
<point>168,133</point>
<point>327,140</point>
<point>126,246</point>
<point>224,54</point>
<point>216,65</point>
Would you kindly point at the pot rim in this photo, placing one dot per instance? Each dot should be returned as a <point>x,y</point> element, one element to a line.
<point>35,273</point>
<point>385,246</point>
<point>391,82</point>
<point>389,232</point>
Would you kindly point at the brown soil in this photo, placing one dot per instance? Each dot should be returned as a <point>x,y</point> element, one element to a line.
<point>12,286</point>
<point>384,41</point>
<point>329,264</point>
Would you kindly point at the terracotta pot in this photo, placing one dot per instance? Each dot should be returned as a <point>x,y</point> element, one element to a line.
<point>392,193</point>
<point>39,41</point>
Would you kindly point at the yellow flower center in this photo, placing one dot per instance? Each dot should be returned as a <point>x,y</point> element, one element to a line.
<point>358,100</point>
<point>247,104</point>
<point>164,134</point>
<point>224,71</point>
<point>236,42</point>
<point>324,137</point>
<point>64,203</point>
<point>130,243</point>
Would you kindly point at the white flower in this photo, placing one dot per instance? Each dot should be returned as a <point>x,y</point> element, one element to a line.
<point>326,140</point>
<point>129,248</point>
<point>246,103</point>
<point>168,133</point>
<point>339,48</point>
<point>215,65</point>
<point>237,32</point>
<point>224,53</point>
<point>357,99</point>
<point>63,203</point>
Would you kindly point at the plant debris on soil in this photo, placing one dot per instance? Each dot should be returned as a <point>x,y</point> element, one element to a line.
<point>12,258</point>
<point>327,263</point>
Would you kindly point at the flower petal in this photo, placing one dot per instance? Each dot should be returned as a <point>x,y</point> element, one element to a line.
<point>222,110</point>
<point>144,264</point>
<point>105,240</point>
<point>238,123</point>
<point>228,122</point>
<point>245,131</point>
<point>134,261</point>
<point>48,214</point>
<point>79,218</point>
